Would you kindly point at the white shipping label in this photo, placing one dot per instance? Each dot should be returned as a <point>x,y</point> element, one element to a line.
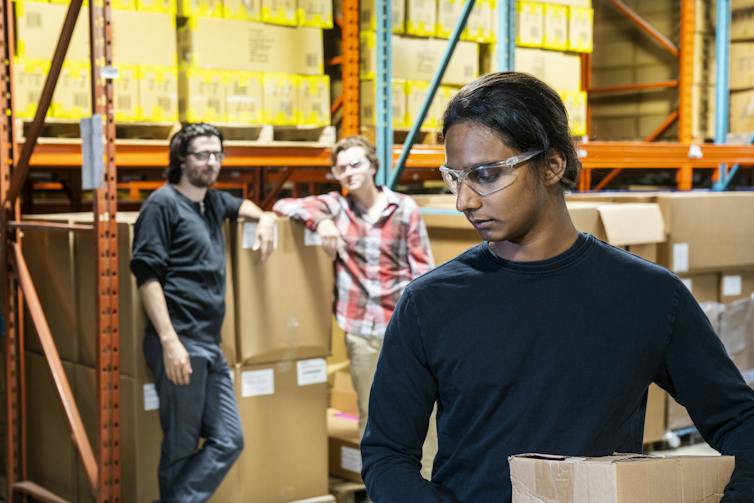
<point>151,400</point>
<point>350,459</point>
<point>249,241</point>
<point>311,371</point>
<point>680,257</point>
<point>689,283</point>
<point>257,383</point>
<point>732,285</point>
<point>311,238</point>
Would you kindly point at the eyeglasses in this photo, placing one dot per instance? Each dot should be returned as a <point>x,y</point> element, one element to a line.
<point>340,169</point>
<point>486,179</point>
<point>204,155</point>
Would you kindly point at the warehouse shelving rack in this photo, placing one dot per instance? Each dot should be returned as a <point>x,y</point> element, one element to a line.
<point>17,158</point>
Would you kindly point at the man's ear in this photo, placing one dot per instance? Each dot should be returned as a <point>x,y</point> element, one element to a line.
<point>556,167</point>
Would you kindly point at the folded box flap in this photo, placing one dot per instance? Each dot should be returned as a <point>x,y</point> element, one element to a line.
<point>632,223</point>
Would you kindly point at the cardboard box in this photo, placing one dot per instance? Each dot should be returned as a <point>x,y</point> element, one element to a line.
<point>420,58</point>
<point>654,420</point>
<point>283,414</point>
<point>421,17</point>
<point>737,333</point>
<point>283,307</point>
<point>38,25</point>
<point>204,42</point>
<point>72,96</point>
<point>705,231</point>
<point>126,93</point>
<point>368,15</point>
<point>482,23</point>
<point>576,106</point>
<point>416,93</point>
<point>580,29</point>
<point>368,107</point>
<point>742,25</point>
<point>315,13</point>
<point>530,25</point>
<point>162,6</point>
<point>158,93</point>
<point>343,395</point>
<point>448,12</point>
<point>280,95</point>
<point>735,285</point>
<point>559,70</point>
<point>619,479</point>
<point>242,10</point>
<point>703,286</point>
<point>314,100</point>
<point>244,97</point>
<point>742,112</point>
<point>52,459</point>
<point>29,79</point>
<point>741,65</point>
<point>202,95</point>
<point>144,38</point>
<point>200,8</point>
<point>282,12</point>
<point>555,27</point>
<point>344,439</point>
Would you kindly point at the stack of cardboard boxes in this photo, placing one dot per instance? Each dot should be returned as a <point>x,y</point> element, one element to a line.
<point>144,54</point>
<point>742,67</point>
<point>275,336</point>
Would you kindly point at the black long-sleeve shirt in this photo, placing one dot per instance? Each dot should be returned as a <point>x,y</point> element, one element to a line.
<point>179,243</point>
<point>552,356</point>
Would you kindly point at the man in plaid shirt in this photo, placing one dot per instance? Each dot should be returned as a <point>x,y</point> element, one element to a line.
<point>379,244</point>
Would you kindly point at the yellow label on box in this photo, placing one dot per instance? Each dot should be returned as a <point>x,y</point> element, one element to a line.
<point>280,101</point>
<point>244,97</point>
<point>368,108</point>
<point>282,12</point>
<point>158,93</point>
<point>202,95</point>
<point>315,13</point>
<point>448,12</point>
<point>575,103</point>
<point>481,25</point>
<point>162,6</point>
<point>580,29</point>
<point>314,100</point>
<point>72,97</point>
<point>368,49</point>
<point>530,26</point>
<point>29,79</point>
<point>126,93</point>
<point>556,27</point>
<point>242,10</point>
<point>200,8</point>
<point>421,17</point>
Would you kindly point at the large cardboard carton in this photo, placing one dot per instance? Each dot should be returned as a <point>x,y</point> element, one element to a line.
<point>72,98</point>
<point>158,93</point>
<point>576,107</point>
<point>421,17</point>
<point>420,58</point>
<point>368,107</point>
<point>314,100</point>
<point>735,285</point>
<point>204,42</point>
<point>315,13</point>
<point>530,24</point>
<point>126,93</point>
<point>703,286</point>
<point>29,79</point>
<point>580,29</point>
<point>202,95</point>
<point>448,12</point>
<point>742,25</point>
<point>38,25</point>
<point>556,27</point>
<point>655,419</point>
<point>560,70</point>
<point>705,231</point>
<point>742,112</point>
<point>144,38</point>
<point>482,23</point>
<point>737,333</point>
<point>619,479</point>
<point>280,99</point>
<point>741,65</point>
<point>52,459</point>
<point>244,97</point>
<point>283,307</point>
<point>368,15</point>
<point>283,414</point>
<point>343,395</point>
<point>344,454</point>
<point>416,93</point>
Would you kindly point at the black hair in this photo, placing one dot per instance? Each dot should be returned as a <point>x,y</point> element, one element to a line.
<point>523,111</point>
<point>179,145</point>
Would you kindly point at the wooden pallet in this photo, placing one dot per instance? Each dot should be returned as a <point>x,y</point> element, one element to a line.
<point>69,129</point>
<point>348,492</point>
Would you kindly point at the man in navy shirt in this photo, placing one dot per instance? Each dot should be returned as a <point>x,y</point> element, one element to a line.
<point>540,339</point>
<point>179,263</point>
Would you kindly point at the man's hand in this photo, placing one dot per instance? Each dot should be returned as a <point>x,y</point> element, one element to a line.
<point>176,360</point>
<point>332,241</point>
<point>265,239</point>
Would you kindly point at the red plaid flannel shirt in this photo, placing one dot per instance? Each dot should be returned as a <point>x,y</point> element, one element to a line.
<point>382,258</point>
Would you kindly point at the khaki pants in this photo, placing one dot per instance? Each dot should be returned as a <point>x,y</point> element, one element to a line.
<point>363,353</point>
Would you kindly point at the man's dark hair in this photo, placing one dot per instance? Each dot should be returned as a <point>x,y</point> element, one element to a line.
<point>523,111</point>
<point>179,145</point>
<point>356,141</point>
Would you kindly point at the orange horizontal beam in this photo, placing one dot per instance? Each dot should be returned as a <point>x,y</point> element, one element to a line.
<point>630,155</point>
<point>640,86</point>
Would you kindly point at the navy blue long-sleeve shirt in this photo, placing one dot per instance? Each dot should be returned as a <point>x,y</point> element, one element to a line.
<point>552,356</point>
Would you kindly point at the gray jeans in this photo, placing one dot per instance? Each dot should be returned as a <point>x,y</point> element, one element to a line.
<point>203,409</point>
